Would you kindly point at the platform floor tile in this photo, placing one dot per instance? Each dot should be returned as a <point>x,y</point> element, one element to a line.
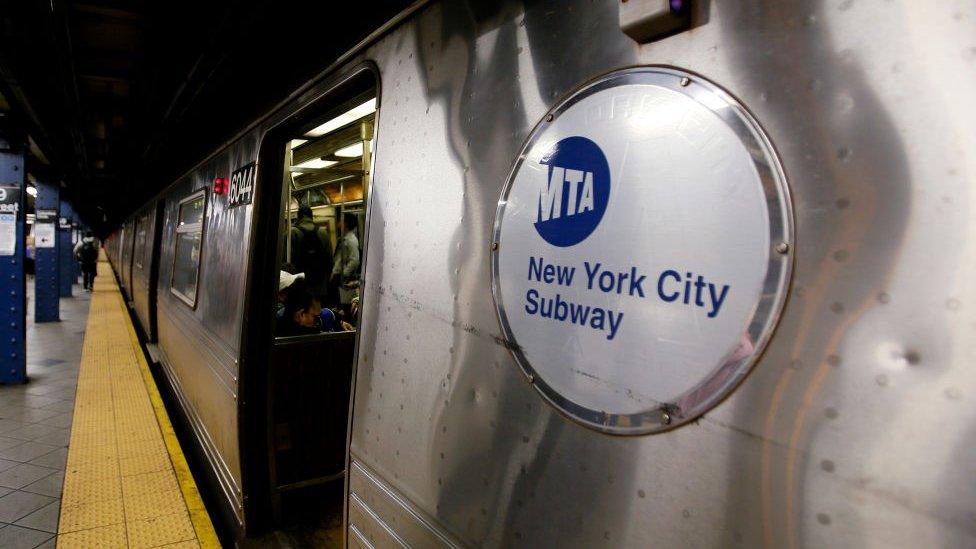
<point>120,486</point>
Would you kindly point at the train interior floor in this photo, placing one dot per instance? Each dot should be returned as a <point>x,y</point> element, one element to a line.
<point>88,457</point>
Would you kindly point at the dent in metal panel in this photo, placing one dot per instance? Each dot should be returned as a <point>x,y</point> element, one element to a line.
<point>877,329</point>
<point>874,345</point>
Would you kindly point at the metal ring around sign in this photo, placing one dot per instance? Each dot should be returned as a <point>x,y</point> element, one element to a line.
<point>725,377</point>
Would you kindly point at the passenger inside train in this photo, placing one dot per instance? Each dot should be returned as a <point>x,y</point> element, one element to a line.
<point>327,167</point>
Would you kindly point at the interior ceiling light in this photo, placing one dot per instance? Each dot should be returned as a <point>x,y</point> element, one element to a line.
<point>315,163</point>
<point>32,190</point>
<point>295,143</point>
<point>352,114</point>
<point>352,151</point>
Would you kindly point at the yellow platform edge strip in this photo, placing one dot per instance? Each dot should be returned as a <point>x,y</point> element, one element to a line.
<point>199,517</point>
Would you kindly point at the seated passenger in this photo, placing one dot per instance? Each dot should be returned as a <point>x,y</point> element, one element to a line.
<point>301,314</point>
<point>333,320</point>
<point>286,283</point>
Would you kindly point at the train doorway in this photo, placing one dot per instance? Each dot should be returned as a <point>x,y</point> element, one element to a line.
<point>323,164</point>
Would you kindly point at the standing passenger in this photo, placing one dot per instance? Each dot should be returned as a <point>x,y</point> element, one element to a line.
<point>346,268</point>
<point>86,252</point>
<point>311,252</point>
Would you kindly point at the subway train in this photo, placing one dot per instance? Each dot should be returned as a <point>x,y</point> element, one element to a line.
<point>639,273</point>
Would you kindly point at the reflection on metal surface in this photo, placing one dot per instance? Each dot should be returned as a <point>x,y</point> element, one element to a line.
<point>829,440</point>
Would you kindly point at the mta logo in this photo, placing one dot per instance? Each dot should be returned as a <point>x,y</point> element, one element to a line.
<point>574,196</point>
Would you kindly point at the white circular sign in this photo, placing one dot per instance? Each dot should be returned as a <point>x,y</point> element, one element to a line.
<point>642,250</point>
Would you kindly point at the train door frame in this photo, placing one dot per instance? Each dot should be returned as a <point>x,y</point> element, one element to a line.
<point>120,270</point>
<point>130,243</point>
<point>158,213</point>
<point>257,341</point>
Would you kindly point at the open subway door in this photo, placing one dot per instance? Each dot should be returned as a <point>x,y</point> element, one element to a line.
<point>304,331</point>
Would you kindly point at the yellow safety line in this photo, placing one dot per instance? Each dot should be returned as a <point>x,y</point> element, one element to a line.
<point>199,516</point>
<point>126,481</point>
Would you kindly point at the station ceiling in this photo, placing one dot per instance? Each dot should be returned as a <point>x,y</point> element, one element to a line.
<point>123,96</point>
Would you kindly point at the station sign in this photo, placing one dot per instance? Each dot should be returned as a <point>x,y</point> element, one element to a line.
<point>240,191</point>
<point>9,199</point>
<point>9,207</point>
<point>44,228</point>
<point>642,250</point>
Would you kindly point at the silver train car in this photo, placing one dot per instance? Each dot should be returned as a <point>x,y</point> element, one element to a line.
<point>818,159</point>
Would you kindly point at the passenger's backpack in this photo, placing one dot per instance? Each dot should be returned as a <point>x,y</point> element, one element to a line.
<point>313,258</point>
<point>89,252</point>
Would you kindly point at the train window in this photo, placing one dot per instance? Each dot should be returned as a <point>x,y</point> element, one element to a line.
<point>141,223</point>
<point>327,171</point>
<point>189,238</point>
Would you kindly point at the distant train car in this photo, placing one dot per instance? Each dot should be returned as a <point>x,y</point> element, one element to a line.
<point>618,274</point>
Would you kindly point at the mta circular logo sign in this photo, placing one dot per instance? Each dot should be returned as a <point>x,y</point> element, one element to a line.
<point>574,197</point>
<point>638,314</point>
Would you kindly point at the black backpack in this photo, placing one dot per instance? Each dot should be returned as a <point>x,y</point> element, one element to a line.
<point>313,258</point>
<point>89,253</point>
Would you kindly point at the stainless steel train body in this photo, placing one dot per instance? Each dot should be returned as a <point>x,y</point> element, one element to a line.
<point>854,428</point>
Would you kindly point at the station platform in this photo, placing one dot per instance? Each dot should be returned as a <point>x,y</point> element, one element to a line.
<point>110,441</point>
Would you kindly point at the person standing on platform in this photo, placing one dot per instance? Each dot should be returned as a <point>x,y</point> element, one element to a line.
<point>346,268</point>
<point>311,252</point>
<point>86,252</point>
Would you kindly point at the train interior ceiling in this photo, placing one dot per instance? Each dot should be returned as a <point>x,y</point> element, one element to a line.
<point>326,166</point>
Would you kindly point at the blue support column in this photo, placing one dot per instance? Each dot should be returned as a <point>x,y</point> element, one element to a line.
<point>66,257</point>
<point>47,283</point>
<point>13,290</point>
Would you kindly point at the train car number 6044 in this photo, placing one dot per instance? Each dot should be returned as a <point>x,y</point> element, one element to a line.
<point>241,190</point>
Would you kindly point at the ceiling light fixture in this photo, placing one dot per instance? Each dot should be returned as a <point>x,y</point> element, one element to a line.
<point>315,163</point>
<point>352,151</point>
<point>352,114</point>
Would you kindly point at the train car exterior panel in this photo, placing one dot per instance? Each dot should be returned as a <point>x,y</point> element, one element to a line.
<point>200,344</point>
<point>873,157</point>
